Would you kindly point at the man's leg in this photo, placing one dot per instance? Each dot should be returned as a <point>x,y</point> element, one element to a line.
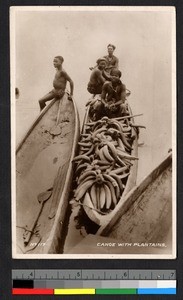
<point>99,109</point>
<point>44,99</point>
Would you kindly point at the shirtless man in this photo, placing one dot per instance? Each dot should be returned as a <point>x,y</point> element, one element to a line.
<point>59,83</point>
<point>113,98</point>
<point>96,79</point>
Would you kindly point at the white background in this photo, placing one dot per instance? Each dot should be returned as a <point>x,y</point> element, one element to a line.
<point>143,41</point>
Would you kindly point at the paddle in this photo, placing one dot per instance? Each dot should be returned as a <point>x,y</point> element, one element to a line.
<point>42,198</point>
<point>56,130</point>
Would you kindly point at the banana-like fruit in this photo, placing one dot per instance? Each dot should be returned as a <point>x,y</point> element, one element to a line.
<point>85,144</point>
<point>120,162</point>
<point>85,135</point>
<point>120,170</point>
<point>118,180</point>
<point>81,158</point>
<point>86,174</point>
<point>113,195</point>
<point>92,148</point>
<point>109,178</point>
<point>107,155</point>
<point>98,131</point>
<point>126,144</point>
<point>102,197</point>
<point>101,154</point>
<point>97,152</point>
<point>80,168</point>
<point>115,124</point>
<point>93,195</point>
<point>88,207</point>
<point>127,161</point>
<point>98,196</point>
<point>108,196</point>
<point>124,154</point>
<point>125,127</point>
<point>81,190</point>
<point>120,144</point>
<point>113,150</point>
<point>86,179</point>
<point>103,168</point>
<point>114,183</point>
<point>103,163</point>
<point>123,175</point>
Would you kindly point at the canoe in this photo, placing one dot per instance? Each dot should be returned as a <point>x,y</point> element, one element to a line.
<point>43,178</point>
<point>106,168</point>
<point>145,215</point>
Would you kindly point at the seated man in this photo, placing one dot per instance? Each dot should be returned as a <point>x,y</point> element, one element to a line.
<point>112,103</point>
<point>112,61</point>
<point>96,79</point>
<point>59,83</point>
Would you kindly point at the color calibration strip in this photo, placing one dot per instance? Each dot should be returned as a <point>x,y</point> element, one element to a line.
<point>92,282</point>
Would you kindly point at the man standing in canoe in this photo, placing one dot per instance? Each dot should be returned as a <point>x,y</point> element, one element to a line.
<point>59,83</point>
<point>96,79</point>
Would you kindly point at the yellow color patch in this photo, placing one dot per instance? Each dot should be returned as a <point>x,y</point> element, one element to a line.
<point>74,291</point>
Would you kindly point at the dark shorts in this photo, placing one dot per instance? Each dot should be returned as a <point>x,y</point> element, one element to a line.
<point>57,94</point>
<point>94,89</point>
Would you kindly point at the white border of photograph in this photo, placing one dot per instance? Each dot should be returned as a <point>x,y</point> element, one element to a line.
<point>112,9</point>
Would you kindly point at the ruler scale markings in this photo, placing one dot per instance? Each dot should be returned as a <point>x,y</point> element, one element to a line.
<point>158,276</point>
<point>90,274</point>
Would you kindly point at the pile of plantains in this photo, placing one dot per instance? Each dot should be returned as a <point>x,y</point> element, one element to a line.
<point>103,164</point>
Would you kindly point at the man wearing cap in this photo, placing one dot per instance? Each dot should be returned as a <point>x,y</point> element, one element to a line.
<point>96,79</point>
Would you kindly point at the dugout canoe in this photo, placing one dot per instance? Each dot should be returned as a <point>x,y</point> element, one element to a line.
<point>44,173</point>
<point>145,214</point>
<point>100,217</point>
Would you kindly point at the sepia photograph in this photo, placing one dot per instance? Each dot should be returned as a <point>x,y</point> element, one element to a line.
<point>93,132</point>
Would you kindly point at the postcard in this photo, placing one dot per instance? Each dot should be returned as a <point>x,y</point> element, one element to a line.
<point>93,132</point>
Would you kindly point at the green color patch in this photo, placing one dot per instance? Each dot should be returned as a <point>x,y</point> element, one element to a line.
<point>116,291</point>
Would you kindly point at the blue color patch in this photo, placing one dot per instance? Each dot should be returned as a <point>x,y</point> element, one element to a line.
<point>156,291</point>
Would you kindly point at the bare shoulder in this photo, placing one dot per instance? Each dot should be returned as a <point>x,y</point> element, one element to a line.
<point>106,84</point>
<point>123,86</point>
<point>96,71</point>
<point>65,74</point>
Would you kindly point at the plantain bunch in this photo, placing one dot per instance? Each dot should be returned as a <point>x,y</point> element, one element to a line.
<point>103,165</point>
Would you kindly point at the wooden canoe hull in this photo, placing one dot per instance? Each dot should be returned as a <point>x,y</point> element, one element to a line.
<point>44,161</point>
<point>146,213</point>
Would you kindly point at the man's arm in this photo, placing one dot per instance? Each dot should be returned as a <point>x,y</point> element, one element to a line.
<point>71,84</point>
<point>71,87</point>
<point>99,77</point>
<point>116,63</point>
<point>122,96</point>
<point>104,94</point>
<point>106,75</point>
